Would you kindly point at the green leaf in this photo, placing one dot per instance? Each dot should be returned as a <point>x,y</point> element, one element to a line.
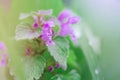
<point>60,51</point>
<point>72,75</point>
<point>24,31</point>
<point>34,67</point>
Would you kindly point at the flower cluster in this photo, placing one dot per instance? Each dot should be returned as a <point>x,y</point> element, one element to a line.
<point>45,24</point>
<point>47,33</point>
<point>4,55</point>
<point>45,21</point>
<point>66,19</point>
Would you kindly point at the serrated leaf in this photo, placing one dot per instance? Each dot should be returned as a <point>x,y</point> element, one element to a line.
<point>60,51</point>
<point>24,31</point>
<point>72,75</point>
<point>34,67</point>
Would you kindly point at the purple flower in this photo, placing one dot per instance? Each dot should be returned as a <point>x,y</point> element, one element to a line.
<point>3,60</point>
<point>49,24</point>
<point>3,56</point>
<point>47,33</point>
<point>38,21</point>
<point>64,15</point>
<point>65,30</point>
<point>35,25</point>
<point>73,20</point>
<point>39,18</point>
<point>66,19</point>
<point>2,46</point>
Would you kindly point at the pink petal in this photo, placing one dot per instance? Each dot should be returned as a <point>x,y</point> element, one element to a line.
<point>49,24</point>
<point>63,15</point>
<point>65,30</point>
<point>3,62</point>
<point>73,20</point>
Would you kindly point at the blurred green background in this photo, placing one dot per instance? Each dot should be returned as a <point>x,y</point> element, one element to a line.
<point>100,24</point>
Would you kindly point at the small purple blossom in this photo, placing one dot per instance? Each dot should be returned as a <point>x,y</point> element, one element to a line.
<point>66,19</point>
<point>73,20</point>
<point>38,21</point>
<point>64,15</point>
<point>49,24</point>
<point>3,60</point>
<point>39,18</point>
<point>65,30</point>
<point>35,25</point>
<point>49,43</point>
<point>2,46</point>
<point>47,33</point>
<point>4,56</point>
<point>51,68</point>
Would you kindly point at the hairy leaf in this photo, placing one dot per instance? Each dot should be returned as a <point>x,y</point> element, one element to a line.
<point>60,52</point>
<point>34,67</point>
<point>24,31</point>
<point>72,75</point>
<point>24,16</point>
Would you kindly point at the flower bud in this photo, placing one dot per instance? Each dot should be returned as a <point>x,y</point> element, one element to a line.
<point>51,68</point>
<point>57,65</point>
